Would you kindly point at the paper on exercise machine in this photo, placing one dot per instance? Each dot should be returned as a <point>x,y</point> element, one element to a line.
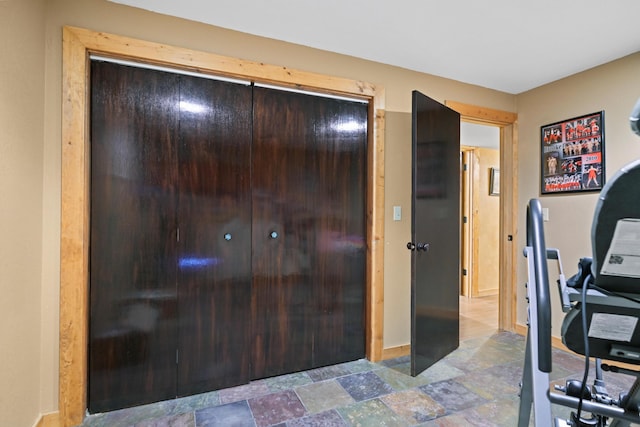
<point>615,327</point>
<point>623,256</point>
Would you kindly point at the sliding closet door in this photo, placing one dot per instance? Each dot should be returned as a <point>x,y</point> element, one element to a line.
<point>227,234</point>
<point>132,336</point>
<point>308,231</point>
<point>214,279</point>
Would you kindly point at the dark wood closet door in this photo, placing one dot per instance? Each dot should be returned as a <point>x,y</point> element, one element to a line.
<point>132,336</point>
<point>214,279</point>
<point>309,157</point>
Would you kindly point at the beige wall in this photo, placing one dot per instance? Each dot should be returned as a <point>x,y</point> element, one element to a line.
<point>614,88</point>
<point>30,184</point>
<point>21,189</point>
<point>488,223</point>
<point>397,259</point>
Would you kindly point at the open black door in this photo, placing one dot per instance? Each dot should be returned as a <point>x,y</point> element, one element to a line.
<point>435,232</point>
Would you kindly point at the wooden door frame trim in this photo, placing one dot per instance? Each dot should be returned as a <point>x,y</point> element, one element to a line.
<point>78,45</point>
<point>508,234</point>
<point>472,199</point>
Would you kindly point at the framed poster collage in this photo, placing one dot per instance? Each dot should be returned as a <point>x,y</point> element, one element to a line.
<point>572,155</point>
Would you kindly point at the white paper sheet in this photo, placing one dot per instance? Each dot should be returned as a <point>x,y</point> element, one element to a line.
<point>614,327</point>
<point>623,257</point>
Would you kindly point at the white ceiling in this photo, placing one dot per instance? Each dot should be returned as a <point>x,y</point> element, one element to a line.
<point>507,45</point>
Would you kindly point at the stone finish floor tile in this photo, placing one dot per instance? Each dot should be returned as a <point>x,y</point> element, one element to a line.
<point>322,396</point>
<point>243,392</point>
<point>276,408</point>
<point>198,401</point>
<point>328,372</point>
<point>287,382</point>
<point>452,395</point>
<point>400,379</point>
<point>476,385</point>
<point>323,419</point>
<point>371,413</point>
<point>365,385</point>
<point>441,371</point>
<point>235,414</point>
<point>181,420</point>
<point>361,365</point>
<point>414,406</point>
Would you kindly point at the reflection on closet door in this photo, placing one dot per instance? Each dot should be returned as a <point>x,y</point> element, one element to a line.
<point>132,336</point>
<point>309,157</point>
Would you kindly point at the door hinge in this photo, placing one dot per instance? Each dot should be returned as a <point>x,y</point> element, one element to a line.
<point>177,356</point>
<point>464,167</point>
<point>178,234</point>
<point>464,219</point>
<point>464,271</point>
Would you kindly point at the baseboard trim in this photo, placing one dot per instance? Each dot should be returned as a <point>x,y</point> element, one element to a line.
<point>393,352</point>
<point>51,419</point>
<point>488,292</point>
<point>556,342</point>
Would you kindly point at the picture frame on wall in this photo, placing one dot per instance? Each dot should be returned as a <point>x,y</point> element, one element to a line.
<point>572,155</point>
<point>494,182</point>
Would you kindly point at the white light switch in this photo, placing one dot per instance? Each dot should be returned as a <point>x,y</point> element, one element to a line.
<point>397,213</point>
<point>545,214</point>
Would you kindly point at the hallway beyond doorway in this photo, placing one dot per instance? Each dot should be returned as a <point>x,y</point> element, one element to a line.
<point>478,316</point>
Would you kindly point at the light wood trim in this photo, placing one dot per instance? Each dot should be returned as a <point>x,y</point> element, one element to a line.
<point>470,235</point>
<point>465,241</point>
<point>399,351</point>
<point>488,292</point>
<point>374,312</point>
<point>111,45</point>
<point>49,420</point>
<point>483,115</point>
<point>74,234</point>
<point>508,226</point>
<point>508,201</point>
<point>78,43</point>
<point>475,241</point>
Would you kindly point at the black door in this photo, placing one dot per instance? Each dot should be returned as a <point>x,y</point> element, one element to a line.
<point>214,247</point>
<point>133,248</point>
<point>227,234</point>
<point>309,157</point>
<point>170,272</point>
<point>435,232</point>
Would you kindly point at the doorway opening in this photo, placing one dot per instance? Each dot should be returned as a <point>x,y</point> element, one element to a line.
<point>479,229</point>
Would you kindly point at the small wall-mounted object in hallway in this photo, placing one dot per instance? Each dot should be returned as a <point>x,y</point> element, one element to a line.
<point>494,182</point>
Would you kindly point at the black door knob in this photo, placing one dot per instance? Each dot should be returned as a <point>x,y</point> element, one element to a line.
<point>411,246</point>
<point>422,247</point>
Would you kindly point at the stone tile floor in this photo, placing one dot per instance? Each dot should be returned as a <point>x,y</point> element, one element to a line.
<point>476,385</point>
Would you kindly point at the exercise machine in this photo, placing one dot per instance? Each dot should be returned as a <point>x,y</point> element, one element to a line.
<point>601,303</point>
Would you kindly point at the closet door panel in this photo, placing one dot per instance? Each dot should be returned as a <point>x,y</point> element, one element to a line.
<point>214,280</point>
<point>339,264</point>
<point>132,336</point>
<point>308,231</point>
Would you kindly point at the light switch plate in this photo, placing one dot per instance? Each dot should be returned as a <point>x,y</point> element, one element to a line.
<point>397,213</point>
